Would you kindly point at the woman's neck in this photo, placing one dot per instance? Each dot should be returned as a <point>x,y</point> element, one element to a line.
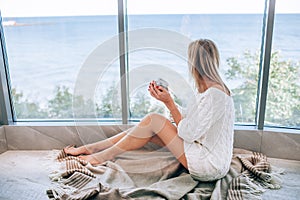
<point>207,83</point>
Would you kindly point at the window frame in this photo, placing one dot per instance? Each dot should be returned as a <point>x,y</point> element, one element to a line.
<point>263,79</point>
<point>6,105</point>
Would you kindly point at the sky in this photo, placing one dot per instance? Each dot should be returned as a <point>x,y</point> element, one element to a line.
<point>28,8</point>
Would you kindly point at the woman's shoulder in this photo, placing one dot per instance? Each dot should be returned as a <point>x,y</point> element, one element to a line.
<point>218,89</point>
<point>214,95</point>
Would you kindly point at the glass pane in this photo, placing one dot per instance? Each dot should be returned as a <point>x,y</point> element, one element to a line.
<point>49,46</point>
<point>283,101</point>
<point>238,37</point>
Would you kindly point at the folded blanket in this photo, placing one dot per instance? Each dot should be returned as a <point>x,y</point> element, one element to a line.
<point>147,174</point>
<point>256,175</point>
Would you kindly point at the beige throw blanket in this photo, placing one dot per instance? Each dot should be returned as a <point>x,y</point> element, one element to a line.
<point>256,175</point>
<point>145,174</point>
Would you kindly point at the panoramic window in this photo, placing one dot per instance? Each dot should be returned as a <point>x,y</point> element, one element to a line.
<point>235,26</point>
<point>49,44</point>
<point>64,57</point>
<point>283,100</point>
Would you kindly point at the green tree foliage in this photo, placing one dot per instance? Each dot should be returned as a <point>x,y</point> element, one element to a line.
<point>283,91</point>
<point>60,106</point>
<point>84,108</point>
<point>110,106</point>
<point>24,109</point>
<point>140,105</point>
<point>245,72</point>
<point>283,107</point>
<point>65,106</point>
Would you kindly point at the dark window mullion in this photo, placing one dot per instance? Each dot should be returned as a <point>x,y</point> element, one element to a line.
<point>122,52</point>
<point>264,73</point>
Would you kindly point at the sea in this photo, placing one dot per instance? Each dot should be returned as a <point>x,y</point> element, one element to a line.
<point>48,52</point>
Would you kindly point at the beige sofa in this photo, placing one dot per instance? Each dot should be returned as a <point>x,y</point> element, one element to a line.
<point>24,174</point>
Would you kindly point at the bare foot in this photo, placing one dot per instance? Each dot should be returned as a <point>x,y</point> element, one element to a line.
<point>71,150</point>
<point>92,159</point>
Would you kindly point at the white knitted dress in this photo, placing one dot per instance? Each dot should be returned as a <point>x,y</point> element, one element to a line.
<point>207,131</point>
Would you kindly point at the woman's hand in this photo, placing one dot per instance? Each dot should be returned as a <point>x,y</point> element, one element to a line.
<point>159,93</point>
<point>163,95</point>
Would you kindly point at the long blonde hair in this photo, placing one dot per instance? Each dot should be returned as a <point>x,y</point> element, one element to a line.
<point>203,61</point>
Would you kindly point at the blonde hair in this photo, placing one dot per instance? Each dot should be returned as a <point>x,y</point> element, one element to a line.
<point>203,61</point>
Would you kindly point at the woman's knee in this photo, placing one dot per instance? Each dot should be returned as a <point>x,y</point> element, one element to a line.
<point>157,121</point>
<point>155,116</point>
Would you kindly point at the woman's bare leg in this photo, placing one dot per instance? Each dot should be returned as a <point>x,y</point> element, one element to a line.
<point>152,126</point>
<point>95,147</point>
<point>104,144</point>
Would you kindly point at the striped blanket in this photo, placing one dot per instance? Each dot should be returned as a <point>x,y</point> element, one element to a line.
<point>157,175</point>
<point>256,176</point>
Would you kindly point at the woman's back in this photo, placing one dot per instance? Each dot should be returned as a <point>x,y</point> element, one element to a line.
<point>208,134</point>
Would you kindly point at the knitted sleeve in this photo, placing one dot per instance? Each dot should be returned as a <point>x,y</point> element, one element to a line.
<point>198,119</point>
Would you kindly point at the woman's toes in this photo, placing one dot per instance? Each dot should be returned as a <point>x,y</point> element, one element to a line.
<point>71,150</point>
<point>91,159</point>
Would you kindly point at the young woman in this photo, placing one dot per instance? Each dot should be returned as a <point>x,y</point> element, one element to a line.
<point>201,140</point>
